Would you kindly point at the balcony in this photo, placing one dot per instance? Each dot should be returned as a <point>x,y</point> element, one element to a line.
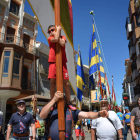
<point>18,42</point>
<point>135,74</point>
<point>138,48</point>
<point>137,5</point>
<point>131,93</point>
<point>138,63</point>
<point>137,91</point>
<point>27,84</point>
<point>131,9</point>
<point>128,27</point>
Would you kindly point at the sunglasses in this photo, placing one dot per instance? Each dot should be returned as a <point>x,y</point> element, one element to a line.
<point>51,31</point>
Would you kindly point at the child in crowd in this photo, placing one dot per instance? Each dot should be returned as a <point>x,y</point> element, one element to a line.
<point>55,37</point>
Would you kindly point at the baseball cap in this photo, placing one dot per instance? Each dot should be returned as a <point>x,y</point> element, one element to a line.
<point>104,99</point>
<point>21,101</point>
<point>126,108</point>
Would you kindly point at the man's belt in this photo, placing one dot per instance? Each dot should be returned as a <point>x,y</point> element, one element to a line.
<point>21,135</point>
<point>127,123</point>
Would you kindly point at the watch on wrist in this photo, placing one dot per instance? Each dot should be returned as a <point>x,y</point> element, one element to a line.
<point>99,114</point>
<point>121,138</point>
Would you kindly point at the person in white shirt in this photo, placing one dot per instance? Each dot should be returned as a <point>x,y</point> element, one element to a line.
<point>103,129</point>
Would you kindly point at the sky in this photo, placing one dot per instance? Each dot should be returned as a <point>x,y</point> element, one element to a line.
<point>110,17</point>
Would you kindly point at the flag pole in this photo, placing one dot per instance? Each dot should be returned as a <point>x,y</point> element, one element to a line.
<point>92,13</point>
<point>59,78</point>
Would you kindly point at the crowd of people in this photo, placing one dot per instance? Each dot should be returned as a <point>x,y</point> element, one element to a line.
<point>103,125</point>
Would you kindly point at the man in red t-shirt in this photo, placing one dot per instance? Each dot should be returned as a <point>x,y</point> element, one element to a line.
<point>55,36</point>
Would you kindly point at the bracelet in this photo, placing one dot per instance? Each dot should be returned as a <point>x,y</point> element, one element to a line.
<point>99,115</point>
<point>120,138</point>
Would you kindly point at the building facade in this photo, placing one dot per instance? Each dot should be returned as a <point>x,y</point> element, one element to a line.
<point>18,31</point>
<point>131,84</point>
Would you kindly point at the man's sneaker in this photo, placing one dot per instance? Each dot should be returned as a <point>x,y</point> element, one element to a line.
<point>71,106</point>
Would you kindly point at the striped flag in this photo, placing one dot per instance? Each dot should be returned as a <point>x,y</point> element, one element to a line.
<point>95,59</point>
<point>107,89</point>
<point>80,81</point>
<point>114,103</point>
<point>44,11</point>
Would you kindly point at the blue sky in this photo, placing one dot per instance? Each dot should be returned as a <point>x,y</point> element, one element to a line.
<point>110,17</point>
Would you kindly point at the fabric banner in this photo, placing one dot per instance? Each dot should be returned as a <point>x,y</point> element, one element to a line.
<point>44,11</point>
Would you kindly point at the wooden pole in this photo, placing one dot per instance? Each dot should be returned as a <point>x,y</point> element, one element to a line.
<point>59,78</point>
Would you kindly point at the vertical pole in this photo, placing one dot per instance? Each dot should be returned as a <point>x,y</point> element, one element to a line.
<point>59,78</point>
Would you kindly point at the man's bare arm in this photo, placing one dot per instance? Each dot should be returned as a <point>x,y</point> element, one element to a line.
<point>33,130</point>
<point>47,108</point>
<point>120,133</point>
<point>132,123</point>
<point>93,134</point>
<point>9,131</point>
<point>134,135</point>
<point>92,115</point>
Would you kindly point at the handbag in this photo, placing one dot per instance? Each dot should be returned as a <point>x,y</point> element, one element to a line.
<point>37,124</point>
<point>115,129</point>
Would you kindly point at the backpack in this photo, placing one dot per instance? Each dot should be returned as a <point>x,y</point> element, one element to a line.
<point>72,124</point>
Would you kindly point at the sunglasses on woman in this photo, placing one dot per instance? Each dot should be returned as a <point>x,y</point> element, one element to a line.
<point>51,30</point>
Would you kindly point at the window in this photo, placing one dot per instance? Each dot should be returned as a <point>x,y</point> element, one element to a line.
<point>14,8</point>
<point>26,41</point>
<point>6,63</point>
<point>10,35</point>
<point>138,20</point>
<point>16,65</point>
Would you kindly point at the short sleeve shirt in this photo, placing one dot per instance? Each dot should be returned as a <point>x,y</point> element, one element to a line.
<point>54,132</point>
<point>78,125</point>
<point>21,123</point>
<point>104,128</point>
<point>127,117</point>
<point>88,121</point>
<point>52,50</point>
<point>120,115</point>
<point>136,112</point>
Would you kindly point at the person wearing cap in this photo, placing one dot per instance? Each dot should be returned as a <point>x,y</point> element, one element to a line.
<point>120,115</point>
<point>106,128</point>
<point>70,116</point>
<point>135,122</point>
<point>20,122</point>
<point>126,121</point>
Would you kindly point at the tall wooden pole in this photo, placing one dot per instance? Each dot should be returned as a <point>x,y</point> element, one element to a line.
<point>59,78</point>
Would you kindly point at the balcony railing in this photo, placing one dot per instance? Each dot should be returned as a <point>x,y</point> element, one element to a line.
<point>12,39</point>
<point>128,27</point>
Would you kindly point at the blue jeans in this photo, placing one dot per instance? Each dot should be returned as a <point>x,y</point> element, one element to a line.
<point>127,127</point>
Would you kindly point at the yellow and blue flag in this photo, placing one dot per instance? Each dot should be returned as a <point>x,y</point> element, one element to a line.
<point>80,81</point>
<point>95,59</point>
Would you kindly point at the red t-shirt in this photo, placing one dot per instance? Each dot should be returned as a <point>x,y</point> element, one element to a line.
<point>52,50</point>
